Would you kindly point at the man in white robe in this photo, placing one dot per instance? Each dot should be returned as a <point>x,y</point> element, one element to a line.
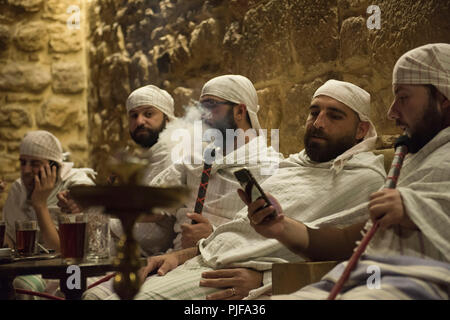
<point>36,149</point>
<point>308,189</point>
<point>149,109</point>
<point>233,103</point>
<point>33,195</point>
<point>411,249</point>
<point>221,201</point>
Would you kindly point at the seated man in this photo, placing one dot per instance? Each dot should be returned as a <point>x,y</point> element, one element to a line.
<point>33,195</point>
<point>332,175</point>
<point>410,250</point>
<point>232,102</point>
<point>149,109</point>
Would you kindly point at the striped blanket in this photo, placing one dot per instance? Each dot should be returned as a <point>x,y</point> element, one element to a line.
<point>387,278</point>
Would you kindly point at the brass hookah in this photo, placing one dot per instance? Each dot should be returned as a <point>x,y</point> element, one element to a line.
<point>127,200</point>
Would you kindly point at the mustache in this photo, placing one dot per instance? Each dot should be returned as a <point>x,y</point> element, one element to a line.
<point>142,128</point>
<point>318,133</point>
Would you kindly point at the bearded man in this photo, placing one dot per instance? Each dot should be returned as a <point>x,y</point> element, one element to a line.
<point>410,249</point>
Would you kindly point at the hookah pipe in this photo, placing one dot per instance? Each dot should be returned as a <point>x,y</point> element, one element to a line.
<point>206,173</point>
<point>401,149</point>
<point>198,204</point>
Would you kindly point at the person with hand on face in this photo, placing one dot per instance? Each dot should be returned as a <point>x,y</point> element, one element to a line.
<point>411,247</point>
<point>33,196</point>
<point>44,174</point>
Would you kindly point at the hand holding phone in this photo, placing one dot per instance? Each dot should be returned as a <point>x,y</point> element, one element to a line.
<point>42,187</point>
<point>252,188</point>
<point>52,164</point>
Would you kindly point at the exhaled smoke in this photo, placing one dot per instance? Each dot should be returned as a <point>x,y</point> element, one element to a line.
<point>184,136</point>
<point>191,141</point>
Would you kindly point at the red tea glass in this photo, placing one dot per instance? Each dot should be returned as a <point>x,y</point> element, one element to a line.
<point>72,237</point>
<point>26,231</point>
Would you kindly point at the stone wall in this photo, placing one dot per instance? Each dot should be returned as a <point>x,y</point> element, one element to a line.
<point>287,48</point>
<point>42,78</point>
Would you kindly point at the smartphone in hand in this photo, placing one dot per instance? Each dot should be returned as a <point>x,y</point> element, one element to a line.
<point>252,188</point>
<point>52,164</point>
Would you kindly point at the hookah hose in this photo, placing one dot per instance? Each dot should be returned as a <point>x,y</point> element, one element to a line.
<point>49,296</point>
<point>401,149</point>
<point>206,173</point>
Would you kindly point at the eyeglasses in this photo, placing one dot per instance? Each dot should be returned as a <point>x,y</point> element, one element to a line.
<point>211,104</point>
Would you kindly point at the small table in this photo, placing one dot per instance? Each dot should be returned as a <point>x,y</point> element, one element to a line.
<point>54,268</point>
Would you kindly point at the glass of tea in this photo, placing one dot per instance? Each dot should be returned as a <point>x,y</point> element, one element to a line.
<point>72,237</point>
<point>99,236</point>
<point>26,234</point>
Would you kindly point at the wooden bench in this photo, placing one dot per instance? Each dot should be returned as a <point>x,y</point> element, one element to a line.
<point>290,277</point>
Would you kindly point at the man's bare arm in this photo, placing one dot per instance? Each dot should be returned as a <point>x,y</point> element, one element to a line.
<point>333,243</point>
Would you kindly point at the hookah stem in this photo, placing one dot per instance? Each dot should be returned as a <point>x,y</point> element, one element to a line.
<point>206,173</point>
<point>401,149</point>
<point>38,294</point>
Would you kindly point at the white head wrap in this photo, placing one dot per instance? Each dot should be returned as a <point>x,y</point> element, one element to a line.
<point>236,89</point>
<point>42,144</point>
<point>428,64</point>
<point>152,96</point>
<point>358,100</point>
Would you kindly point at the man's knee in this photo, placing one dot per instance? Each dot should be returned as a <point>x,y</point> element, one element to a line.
<point>33,283</point>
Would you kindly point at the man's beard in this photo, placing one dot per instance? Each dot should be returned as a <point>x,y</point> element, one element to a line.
<point>222,125</point>
<point>150,137</point>
<point>227,122</point>
<point>427,128</point>
<point>329,149</point>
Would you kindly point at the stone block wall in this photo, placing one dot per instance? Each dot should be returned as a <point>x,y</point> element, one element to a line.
<point>43,78</point>
<point>288,48</point>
